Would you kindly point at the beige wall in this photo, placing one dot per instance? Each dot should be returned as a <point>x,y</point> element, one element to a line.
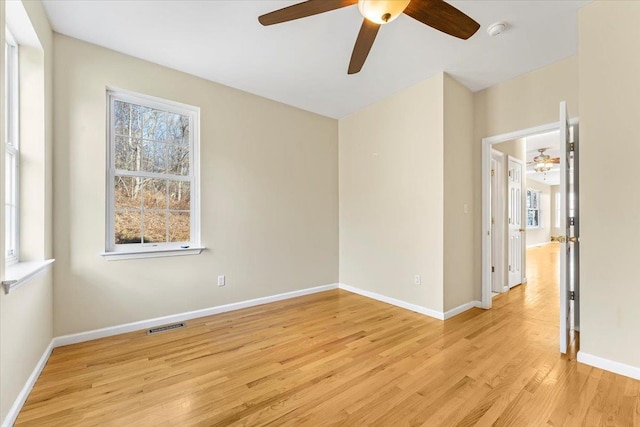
<point>27,330</point>
<point>26,319</point>
<point>527,101</point>
<point>516,148</point>
<point>542,235</point>
<point>609,36</point>
<point>391,196</point>
<point>269,196</point>
<point>459,280</point>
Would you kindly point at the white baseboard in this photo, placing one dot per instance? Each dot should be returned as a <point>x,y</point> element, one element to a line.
<point>399,303</point>
<point>413,307</point>
<point>609,365</point>
<point>181,317</point>
<point>461,308</point>
<point>12,415</point>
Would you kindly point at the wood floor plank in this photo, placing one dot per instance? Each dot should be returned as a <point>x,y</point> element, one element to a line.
<point>337,358</point>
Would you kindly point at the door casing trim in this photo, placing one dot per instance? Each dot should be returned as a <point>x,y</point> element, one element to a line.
<point>487,142</point>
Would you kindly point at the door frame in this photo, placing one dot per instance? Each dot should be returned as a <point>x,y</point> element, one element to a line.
<point>498,279</point>
<point>487,144</point>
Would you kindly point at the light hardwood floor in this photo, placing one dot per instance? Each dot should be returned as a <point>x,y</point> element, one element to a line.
<point>339,358</point>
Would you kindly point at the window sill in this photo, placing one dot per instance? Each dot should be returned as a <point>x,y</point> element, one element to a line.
<point>21,272</point>
<point>151,253</point>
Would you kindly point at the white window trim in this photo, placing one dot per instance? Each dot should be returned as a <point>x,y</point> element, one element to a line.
<point>152,250</point>
<point>534,227</point>
<point>13,134</point>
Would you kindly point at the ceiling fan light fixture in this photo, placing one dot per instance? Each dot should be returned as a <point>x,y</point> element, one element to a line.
<point>542,167</point>
<point>382,11</point>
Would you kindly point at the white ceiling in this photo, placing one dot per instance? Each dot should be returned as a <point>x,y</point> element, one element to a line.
<point>550,141</point>
<point>304,63</point>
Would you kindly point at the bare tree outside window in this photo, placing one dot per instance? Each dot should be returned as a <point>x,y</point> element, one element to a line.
<point>152,179</point>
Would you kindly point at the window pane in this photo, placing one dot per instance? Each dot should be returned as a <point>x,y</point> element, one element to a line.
<point>179,227</point>
<point>127,227</point>
<point>128,156</point>
<point>532,217</point>
<point>155,227</point>
<point>9,176</point>
<point>178,159</point>
<point>127,119</point>
<point>128,192</point>
<point>175,131</point>
<point>154,124</point>
<point>155,193</point>
<point>185,129</point>
<point>154,156</point>
<point>179,195</point>
<point>557,209</point>
<point>7,230</point>
<point>10,220</point>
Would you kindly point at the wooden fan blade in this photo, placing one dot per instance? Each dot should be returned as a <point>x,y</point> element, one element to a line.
<point>366,37</point>
<point>443,17</point>
<point>555,160</point>
<point>302,10</point>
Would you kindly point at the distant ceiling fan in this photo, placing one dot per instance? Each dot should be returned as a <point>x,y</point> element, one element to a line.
<point>434,13</point>
<point>543,162</point>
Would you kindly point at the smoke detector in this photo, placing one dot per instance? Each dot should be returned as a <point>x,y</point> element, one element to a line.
<point>497,28</point>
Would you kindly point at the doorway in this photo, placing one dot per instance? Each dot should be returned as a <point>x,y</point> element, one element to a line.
<point>537,208</point>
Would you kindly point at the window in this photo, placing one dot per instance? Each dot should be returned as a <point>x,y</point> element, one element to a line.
<point>533,208</point>
<point>12,156</point>
<point>558,210</point>
<point>152,175</point>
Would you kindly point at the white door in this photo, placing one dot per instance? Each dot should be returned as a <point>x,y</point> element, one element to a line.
<point>569,220</point>
<point>574,224</point>
<point>515,220</point>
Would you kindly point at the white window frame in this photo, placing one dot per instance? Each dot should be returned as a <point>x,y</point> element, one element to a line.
<point>148,250</point>
<point>536,208</point>
<point>12,147</point>
<point>558,210</point>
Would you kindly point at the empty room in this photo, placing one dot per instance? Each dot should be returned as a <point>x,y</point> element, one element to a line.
<point>324,212</point>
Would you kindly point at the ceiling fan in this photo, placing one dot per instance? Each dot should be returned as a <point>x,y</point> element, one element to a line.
<point>543,162</point>
<point>437,14</point>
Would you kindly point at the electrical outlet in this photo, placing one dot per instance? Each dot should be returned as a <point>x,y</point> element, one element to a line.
<point>221,281</point>
<point>417,280</point>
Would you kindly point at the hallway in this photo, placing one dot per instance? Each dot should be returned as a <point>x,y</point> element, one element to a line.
<point>539,297</point>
